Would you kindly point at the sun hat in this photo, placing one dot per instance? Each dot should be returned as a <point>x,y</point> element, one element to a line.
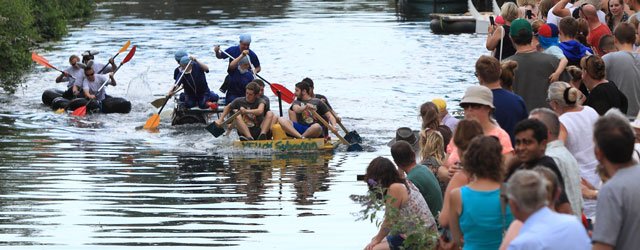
<point>479,95</point>
<point>408,135</point>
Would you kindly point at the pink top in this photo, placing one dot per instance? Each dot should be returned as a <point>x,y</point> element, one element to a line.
<point>502,135</point>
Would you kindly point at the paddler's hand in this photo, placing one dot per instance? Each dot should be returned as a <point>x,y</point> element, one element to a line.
<point>111,61</point>
<point>193,58</point>
<point>66,74</point>
<point>91,96</point>
<point>243,110</point>
<point>218,122</point>
<point>245,52</point>
<point>216,48</point>
<point>310,107</point>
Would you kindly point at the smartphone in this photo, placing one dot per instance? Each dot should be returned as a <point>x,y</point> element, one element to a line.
<point>529,14</point>
<point>492,21</point>
<point>360,177</point>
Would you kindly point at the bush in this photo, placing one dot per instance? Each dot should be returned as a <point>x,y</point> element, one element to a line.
<point>23,23</point>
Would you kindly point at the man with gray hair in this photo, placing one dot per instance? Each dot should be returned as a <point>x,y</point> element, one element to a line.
<point>618,224</point>
<point>567,164</point>
<point>542,228</point>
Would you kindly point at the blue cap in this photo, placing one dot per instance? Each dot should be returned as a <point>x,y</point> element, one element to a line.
<point>184,60</point>
<point>180,54</point>
<point>245,38</point>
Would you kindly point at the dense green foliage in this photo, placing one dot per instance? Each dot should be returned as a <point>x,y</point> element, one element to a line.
<point>24,23</point>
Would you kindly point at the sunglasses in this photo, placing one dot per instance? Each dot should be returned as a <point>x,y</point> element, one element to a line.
<point>90,74</point>
<point>471,105</point>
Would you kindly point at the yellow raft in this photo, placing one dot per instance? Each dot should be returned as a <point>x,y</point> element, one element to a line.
<point>307,144</point>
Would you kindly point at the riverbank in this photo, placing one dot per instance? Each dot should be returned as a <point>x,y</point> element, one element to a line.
<point>26,23</point>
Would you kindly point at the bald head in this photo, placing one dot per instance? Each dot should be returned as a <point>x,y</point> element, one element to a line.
<point>590,12</point>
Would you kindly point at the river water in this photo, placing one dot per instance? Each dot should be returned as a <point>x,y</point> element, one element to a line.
<point>98,182</point>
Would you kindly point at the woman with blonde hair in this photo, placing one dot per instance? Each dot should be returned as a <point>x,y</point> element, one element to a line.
<point>576,131</point>
<point>432,153</point>
<point>499,40</point>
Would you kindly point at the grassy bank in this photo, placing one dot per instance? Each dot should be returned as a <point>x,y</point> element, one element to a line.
<point>24,24</point>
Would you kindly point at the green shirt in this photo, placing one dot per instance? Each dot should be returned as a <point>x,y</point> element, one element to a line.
<point>428,185</point>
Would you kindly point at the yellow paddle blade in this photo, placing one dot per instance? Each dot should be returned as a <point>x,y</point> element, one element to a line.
<point>125,47</point>
<point>59,111</point>
<point>152,122</point>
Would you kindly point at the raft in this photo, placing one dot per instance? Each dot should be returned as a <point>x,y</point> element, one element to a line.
<point>54,98</point>
<point>307,144</point>
<point>452,24</point>
<point>181,116</point>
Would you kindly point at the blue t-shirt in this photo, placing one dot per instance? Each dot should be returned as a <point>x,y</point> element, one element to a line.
<point>238,82</point>
<point>510,109</point>
<point>235,52</point>
<point>195,84</point>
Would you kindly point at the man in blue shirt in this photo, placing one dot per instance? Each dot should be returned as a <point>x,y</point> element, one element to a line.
<point>542,228</point>
<point>235,51</point>
<point>240,75</point>
<point>194,81</point>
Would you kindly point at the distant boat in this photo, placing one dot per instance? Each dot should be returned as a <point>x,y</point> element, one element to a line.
<point>423,8</point>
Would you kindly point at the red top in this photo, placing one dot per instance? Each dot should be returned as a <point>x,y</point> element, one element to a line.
<point>594,37</point>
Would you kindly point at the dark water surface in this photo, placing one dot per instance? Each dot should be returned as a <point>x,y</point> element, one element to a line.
<point>97,182</point>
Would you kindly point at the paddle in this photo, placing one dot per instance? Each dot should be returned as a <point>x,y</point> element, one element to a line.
<point>285,93</point>
<point>157,103</point>
<point>350,146</point>
<point>42,61</point>
<point>217,130</point>
<point>123,49</point>
<point>350,136</point>
<point>154,121</point>
<point>82,111</point>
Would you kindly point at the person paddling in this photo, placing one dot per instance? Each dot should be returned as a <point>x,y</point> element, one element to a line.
<point>74,76</point>
<point>252,124</point>
<point>194,81</point>
<point>305,124</point>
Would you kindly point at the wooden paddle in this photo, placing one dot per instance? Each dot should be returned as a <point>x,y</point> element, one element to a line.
<point>82,111</point>
<point>217,130</point>
<point>285,93</point>
<point>157,103</point>
<point>43,61</point>
<point>123,49</point>
<point>154,121</point>
<point>350,136</point>
<point>350,146</point>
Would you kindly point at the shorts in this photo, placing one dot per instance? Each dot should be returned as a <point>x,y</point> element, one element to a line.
<point>300,128</point>
<point>395,241</point>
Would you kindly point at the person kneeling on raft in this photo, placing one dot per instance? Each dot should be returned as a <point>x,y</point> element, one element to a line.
<point>196,89</point>
<point>252,123</point>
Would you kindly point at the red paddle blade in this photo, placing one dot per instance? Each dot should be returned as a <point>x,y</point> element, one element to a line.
<point>81,111</point>
<point>286,94</point>
<point>40,60</point>
<point>129,55</point>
